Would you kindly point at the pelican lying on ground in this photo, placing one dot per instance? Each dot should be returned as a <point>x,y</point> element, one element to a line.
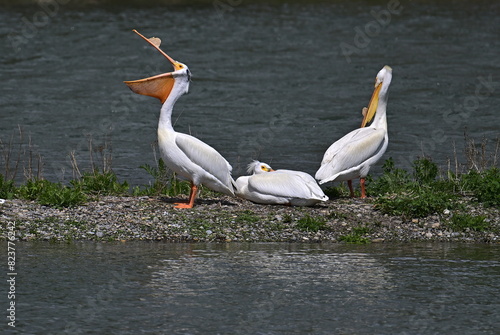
<point>185,155</point>
<point>353,155</point>
<point>280,187</point>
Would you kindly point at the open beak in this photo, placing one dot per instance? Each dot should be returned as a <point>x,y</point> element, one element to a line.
<point>158,86</point>
<point>155,42</point>
<point>372,106</point>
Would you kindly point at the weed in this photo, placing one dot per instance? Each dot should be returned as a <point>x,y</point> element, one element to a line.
<point>20,155</point>
<point>417,203</point>
<point>337,215</point>
<point>356,236</point>
<point>462,222</point>
<point>478,156</point>
<point>97,183</point>
<point>51,194</point>
<point>165,182</point>
<point>392,181</point>
<point>337,192</point>
<point>485,186</point>
<point>246,216</point>
<point>424,171</point>
<point>309,223</point>
<point>7,188</point>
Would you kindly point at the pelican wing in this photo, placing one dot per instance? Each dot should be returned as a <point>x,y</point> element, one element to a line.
<point>280,184</point>
<point>205,157</point>
<point>307,180</point>
<point>350,151</point>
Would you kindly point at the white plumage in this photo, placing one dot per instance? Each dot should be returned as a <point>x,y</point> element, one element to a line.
<point>184,154</point>
<point>285,187</point>
<point>352,156</point>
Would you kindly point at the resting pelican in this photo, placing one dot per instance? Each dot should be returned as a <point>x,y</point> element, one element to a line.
<point>353,155</point>
<point>185,155</point>
<point>284,187</point>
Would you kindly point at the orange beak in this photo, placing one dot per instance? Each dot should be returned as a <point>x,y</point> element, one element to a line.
<point>158,86</point>
<point>372,106</point>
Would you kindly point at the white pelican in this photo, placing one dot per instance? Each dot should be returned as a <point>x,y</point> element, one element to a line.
<point>185,155</point>
<point>353,155</point>
<point>283,187</point>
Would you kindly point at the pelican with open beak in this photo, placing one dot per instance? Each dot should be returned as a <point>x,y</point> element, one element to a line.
<point>352,156</point>
<point>187,156</point>
<point>278,187</point>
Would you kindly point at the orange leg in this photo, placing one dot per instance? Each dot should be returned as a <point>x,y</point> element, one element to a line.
<point>349,183</point>
<point>192,196</point>
<point>363,191</point>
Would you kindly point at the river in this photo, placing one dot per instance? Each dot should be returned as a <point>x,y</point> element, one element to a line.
<point>277,82</point>
<point>259,288</point>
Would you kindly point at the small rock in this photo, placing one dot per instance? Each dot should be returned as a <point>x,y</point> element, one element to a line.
<point>428,235</point>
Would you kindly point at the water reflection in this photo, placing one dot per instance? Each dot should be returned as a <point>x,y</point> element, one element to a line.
<point>269,288</point>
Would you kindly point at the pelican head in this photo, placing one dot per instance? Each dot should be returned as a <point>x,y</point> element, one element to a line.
<point>160,86</point>
<point>257,167</point>
<point>382,82</point>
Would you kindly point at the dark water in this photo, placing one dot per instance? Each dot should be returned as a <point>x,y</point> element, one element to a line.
<point>278,83</point>
<point>156,288</point>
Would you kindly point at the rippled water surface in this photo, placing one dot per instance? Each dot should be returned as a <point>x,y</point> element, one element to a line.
<point>157,288</point>
<point>278,83</point>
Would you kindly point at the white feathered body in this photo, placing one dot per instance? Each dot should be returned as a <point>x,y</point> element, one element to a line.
<point>187,156</point>
<point>195,161</point>
<point>352,155</point>
<point>283,187</point>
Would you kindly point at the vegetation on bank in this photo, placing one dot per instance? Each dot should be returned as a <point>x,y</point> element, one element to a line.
<point>423,191</point>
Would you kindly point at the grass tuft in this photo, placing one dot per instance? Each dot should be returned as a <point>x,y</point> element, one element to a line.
<point>51,194</point>
<point>309,223</point>
<point>462,222</point>
<point>485,186</point>
<point>96,183</point>
<point>356,236</point>
<point>164,183</point>
<point>247,216</point>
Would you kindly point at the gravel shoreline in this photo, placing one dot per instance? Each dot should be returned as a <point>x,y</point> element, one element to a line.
<point>225,219</point>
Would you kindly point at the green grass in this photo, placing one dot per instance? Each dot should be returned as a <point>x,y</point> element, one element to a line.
<point>247,216</point>
<point>417,203</point>
<point>422,192</point>
<point>356,236</point>
<point>485,186</point>
<point>309,223</point>
<point>51,194</point>
<point>416,194</point>
<point>164,183</point>
<point>337,191</point>
<point>7,188</point>
<point>96,183</point>
<point>462,222</point>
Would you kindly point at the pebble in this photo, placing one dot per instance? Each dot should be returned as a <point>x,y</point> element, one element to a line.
<point>225,219</point>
